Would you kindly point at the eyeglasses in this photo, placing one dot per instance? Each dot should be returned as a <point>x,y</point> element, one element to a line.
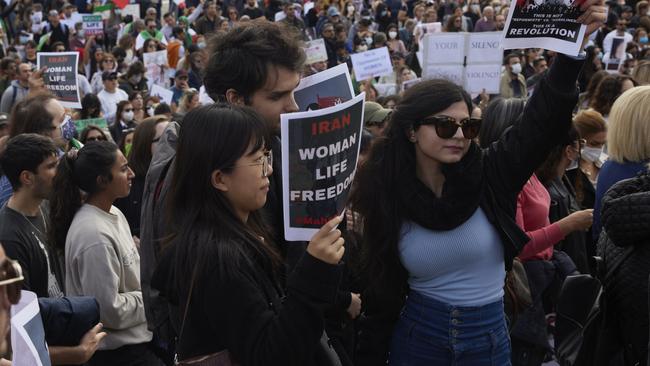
<point>265,161</point>
<point>11,276</point>
<point>446,127</point>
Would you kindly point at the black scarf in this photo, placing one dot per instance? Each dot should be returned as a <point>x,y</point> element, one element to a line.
<point>460,197</point>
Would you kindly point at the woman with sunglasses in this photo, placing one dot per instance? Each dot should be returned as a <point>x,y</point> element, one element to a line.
<point>101,258</point>
<point>439,220</point>
<point>221,269</point>
<point>92,133</point>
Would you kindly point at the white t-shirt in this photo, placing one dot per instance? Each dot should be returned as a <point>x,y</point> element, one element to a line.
<point>109,102</point>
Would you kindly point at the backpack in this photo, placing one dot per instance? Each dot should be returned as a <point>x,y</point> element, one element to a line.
<point>584,334</point>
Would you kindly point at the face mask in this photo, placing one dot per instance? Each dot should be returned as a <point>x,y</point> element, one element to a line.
<point>67,128</point>
<point>81,33</point>
<point>201,45</point>
<point>127,149</point>
<point>127,116</point>
<point>591,153</point>
<point>516,69</point>
<point>363,48</point>
<point>136,78</point>
<point>643,39</point>
<point>150,111</point>
<point>600,55</point>
<point>350,10</point>
<point>368,40</point>
<point>573,165</point>
<point>392,34</point>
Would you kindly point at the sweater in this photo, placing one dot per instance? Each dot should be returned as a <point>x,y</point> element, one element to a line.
<point>533,204</point>
<point>101,260</point>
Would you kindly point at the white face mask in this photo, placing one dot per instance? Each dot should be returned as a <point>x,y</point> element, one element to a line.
<point>516,69</point>
<point>368,40</point>
<point>591,153</point>
<point>127,116</point>
<point>573,165</point>
<point>363,48</point>
<point>150,111</point>
<point>392,34</point>
<point>350,10</point>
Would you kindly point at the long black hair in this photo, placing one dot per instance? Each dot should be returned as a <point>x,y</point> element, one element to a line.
<point>74,175</point>
<point>392,162</point>
<point>498,117</point>
<point>206,232</point>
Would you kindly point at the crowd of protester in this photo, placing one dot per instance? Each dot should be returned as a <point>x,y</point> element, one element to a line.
<point>170,215</point>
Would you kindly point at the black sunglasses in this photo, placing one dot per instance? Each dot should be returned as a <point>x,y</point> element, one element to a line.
<point>446,127</point>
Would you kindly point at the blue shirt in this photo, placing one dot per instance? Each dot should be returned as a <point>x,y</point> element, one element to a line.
<point>611,173</point>
<point>5,190</point>
<point>460,267</point>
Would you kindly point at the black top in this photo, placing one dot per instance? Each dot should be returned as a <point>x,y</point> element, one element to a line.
<point>25,243</point>
<point>131,205</point>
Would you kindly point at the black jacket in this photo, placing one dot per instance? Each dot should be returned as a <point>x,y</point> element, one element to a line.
<point>245,311</point>
<point>507,166</point>
<point>626,218</point>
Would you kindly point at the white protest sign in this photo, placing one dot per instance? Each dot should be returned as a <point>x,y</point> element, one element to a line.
<point>320,150</point>
<point>409,83</point>
<point>444,48</point>
<point>315,51</point>
<point>157,58</point>
<point>93,25</point>
<point>307,7</point>
<point>371,64</point>
<point>27,333</point>
<point>484,47</point>
<point>479,77</point>
<point>279,16</point>
<point>453,73</point>
<point>423,29</point>
<point>165,95</point>
<point>551,25</point>
<point>386,89</point>
<point>132,10</point>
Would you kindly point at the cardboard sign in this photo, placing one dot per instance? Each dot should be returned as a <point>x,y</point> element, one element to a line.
<point>83,123</point>
<point>320,150</point>
<point>61,76</point>
<point>453,73</point>
<point>93,25</point>
<point>371,64</point>
<point>27,333</point>
<point>132,10</point>
<point>165,95</point>
<point>444,48</point>
<point>157,58</point>
<point>324,89</point>
<point>548,24</point>
<point>484,47</point>
<point>479,77</point>
<point>315,51</point>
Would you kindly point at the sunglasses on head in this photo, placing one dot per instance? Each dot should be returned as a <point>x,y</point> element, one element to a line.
<point>11,277</point>
<point>446,127</point>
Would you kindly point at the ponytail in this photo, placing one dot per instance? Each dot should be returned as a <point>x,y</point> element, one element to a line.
<point>77,172</point>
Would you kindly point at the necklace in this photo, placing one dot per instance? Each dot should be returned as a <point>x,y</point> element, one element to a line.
<point>40,210</point>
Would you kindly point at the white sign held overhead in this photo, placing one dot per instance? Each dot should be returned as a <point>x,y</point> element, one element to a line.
<point>371,64</point>
<point>484,47</point>
<point>480,77</point>
<point>444,48</point>
<point>315,51</point>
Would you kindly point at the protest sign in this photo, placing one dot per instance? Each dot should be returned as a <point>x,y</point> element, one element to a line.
<point>27,333</point>
<point>453,73</point>
<point>479,77</point>
<point>386,89</point>
<point>371,64</point>
<point>165,95</point>
<point>80,124</point>
<point>324,89</point>
<point>104,10</point>
<point>74,19</point>
<point>61,76</point>
<point>157,58</point>
<point>444,48</point>
<point>92,25</point>
<point>548,24</point>
<point>315,51</point>
<point>484,47</point>
<point>423,29</point>
<point>409,83</point>
<point>320,150</point>
<point>132,10</point>
<point>155,64</point>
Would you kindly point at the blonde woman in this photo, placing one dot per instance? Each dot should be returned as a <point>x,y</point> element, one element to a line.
<point>628,144</point>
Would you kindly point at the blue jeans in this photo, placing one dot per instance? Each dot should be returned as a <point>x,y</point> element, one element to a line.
<point>432,333</point>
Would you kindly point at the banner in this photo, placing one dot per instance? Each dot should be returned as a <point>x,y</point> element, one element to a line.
<point>61,76</point>
<point>324,89</point>
<point>548,24</point>
<point>472,60</point>
<point>92,25</point>
<point>371,64</point>
<point>27,333</point>
<point>320,150</point>
<point>315,51</point>
<point>83,123</point>
<point>165,95</point>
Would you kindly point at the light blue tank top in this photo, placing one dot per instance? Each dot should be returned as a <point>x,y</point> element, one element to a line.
<point>460,267</point>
